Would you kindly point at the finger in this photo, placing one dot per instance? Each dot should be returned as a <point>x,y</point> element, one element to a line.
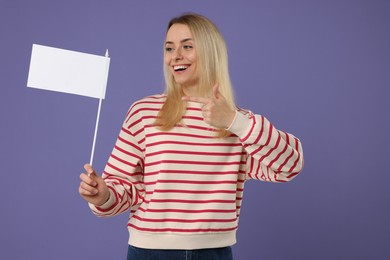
<point>197,99</point>
<point>216,91</point>
<point>89,169</point>
<point>87,179</point>
<point>85,189</point>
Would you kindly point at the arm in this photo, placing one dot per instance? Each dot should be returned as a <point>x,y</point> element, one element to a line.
<point>123,173</point>
<point>273,155</point>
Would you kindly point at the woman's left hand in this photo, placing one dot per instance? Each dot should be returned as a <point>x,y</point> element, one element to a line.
<point>216,111</point>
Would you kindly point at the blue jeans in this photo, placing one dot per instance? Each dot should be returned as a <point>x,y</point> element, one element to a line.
<point>135,253</point>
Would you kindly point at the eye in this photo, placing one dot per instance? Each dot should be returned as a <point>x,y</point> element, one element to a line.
<point>187,47</point>
<point>168,49</point>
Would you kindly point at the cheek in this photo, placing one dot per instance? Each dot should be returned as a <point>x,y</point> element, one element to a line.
<point>192,57</point>
<point>166,60</point>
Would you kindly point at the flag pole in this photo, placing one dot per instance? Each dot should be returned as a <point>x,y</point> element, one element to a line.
<point>97,124</point>
<point>96,129</point>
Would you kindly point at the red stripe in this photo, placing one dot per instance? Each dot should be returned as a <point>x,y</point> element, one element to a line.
<point>271,150</point>
<point>191,162</point>
<point>286,160</point>
<point>191,182</point>
<point>292,175</point>
<point>123,208</point>
<point>144,102</point>
<point>188,210</point>
<point>299,156</point>
<point>191,191</point>
<point>261,131</point>
<point>194,118</point>
<point>129,143</point>
<point>287,138</point>
<point>178,220</point>
<point>113,176</point>
<point>209,129</point>
<point>138,132</point>
<point>295,163</point>
<point>192,143</point>
<point>192,172</point>
<point>116,147</point>
<point>202,128</point>
<point>266,143</point>
<point>127,131</point>
<point>182,230</point>
<point>136,111</point>
<point>278,156</point>
<point>123,161</point>
<point>188,201</point>
<point>195,153</point>
<point>194,108</point>
<point>250,131</point>
<point>140,120</point>
<point>119,169</point>
<point>114,179</point>
<point>181,134</point>
<point>189,126</point>
<point>150,102</point>
<point>132,124</point>
<point>250,164</point>
<point>258,169</point>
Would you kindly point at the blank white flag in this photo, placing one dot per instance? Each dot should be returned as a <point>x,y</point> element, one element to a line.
<point>68,71</point>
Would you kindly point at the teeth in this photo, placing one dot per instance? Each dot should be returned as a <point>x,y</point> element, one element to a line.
<point>180,67</point>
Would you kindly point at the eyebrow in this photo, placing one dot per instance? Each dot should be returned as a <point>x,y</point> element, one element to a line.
<point>184,40</point>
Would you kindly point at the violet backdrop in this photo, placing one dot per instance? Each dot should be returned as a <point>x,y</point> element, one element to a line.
<point>317,69</point>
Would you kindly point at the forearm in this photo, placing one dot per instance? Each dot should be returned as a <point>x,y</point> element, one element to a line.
<point>271,152</point>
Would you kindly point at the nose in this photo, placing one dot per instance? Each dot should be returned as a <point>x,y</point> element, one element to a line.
<point>177,54</point>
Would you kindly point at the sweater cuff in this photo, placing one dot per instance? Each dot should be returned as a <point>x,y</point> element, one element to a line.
<point>241,125</point>
<point>106,205</point>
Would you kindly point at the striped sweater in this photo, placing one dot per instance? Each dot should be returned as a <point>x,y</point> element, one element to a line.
<point>184,187</point>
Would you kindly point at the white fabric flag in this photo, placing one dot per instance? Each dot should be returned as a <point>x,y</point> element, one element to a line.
<point>68,71</point>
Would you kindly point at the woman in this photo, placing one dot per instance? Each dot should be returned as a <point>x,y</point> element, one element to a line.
<point>181,159</point>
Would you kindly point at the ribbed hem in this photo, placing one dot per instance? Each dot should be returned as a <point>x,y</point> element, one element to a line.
<point>177,241</point>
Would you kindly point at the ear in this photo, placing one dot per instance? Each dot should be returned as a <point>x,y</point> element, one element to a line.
<point>216,91</point>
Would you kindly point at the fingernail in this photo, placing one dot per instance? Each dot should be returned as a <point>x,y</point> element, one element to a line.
<point>94,183</point>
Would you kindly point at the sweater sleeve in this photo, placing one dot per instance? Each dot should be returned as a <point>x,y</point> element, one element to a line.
<point>272,155</point>
<point>123,172</point>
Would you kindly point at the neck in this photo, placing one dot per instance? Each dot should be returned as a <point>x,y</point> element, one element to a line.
<point>192,91</point>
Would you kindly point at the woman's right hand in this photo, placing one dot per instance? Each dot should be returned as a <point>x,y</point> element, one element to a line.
<point>92,187</point>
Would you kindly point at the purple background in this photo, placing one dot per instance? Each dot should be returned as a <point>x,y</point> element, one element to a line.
<point>317,69</point>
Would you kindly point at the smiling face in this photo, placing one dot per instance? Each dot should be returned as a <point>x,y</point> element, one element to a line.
<point>180,57</point>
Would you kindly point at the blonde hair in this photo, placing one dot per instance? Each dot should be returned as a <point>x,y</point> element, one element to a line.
<point>213,68</point>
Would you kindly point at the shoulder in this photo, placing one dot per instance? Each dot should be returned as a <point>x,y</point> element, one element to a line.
<point>147,104</point>
<point>153,100</point>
